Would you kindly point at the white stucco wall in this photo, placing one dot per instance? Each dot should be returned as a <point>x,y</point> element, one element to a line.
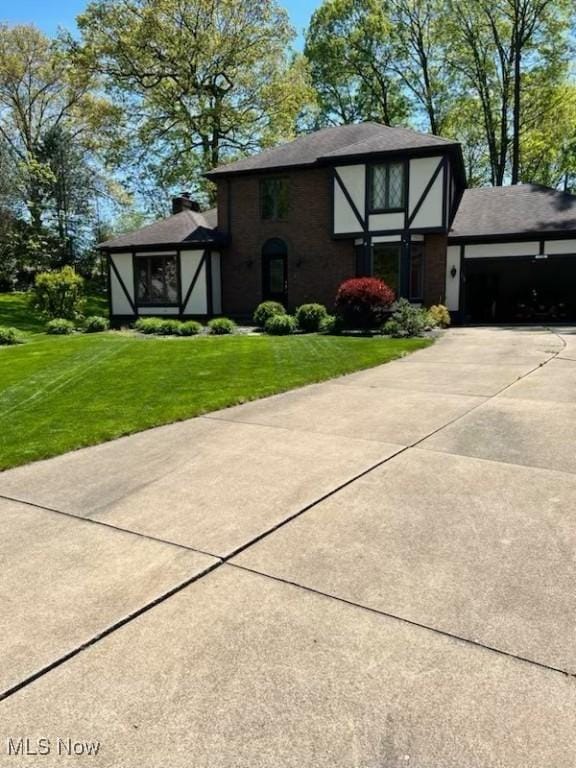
<point>420,170</point>
<point>120,303</point>
<point>197,304</point>
<point>560,246</point>
<point>497,250</point>
<point>453,283</point>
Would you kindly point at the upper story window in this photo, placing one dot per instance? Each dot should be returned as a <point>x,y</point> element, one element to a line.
<point>274,198</point>
<point>387,187</point>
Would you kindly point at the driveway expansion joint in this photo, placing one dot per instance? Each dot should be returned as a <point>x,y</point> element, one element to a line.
<point>404,620</point>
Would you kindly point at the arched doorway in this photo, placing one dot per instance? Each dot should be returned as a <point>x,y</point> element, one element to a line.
<point>274,270</point>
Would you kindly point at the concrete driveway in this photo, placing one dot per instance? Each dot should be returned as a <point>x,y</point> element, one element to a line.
<point>377,571</point>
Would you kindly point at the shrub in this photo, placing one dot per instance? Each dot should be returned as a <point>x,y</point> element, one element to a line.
<point>362,302</point>
<point>331,325</point>
<point>221,326</point>
<point>265,311</point>
<point>407,320</point>
<point>310,316</point>
<point>159,326</point>
<point>189,328</point>
<point>60,326</point>
<point>280,325</point>
<point>58,294</point>
<point>96,324</point>
<point>9,336</point>
<point>439,315</point>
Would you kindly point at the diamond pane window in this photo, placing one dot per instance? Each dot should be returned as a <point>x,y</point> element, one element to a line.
<point>387,190</point>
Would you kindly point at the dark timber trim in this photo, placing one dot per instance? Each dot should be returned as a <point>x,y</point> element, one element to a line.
<point>122,285</point>
<point>193,283</point>
<point>209,296</point>
<point>427,189</point>
<point>349,200</point>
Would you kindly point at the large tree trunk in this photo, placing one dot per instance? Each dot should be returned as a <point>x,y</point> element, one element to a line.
<point>516,115</point>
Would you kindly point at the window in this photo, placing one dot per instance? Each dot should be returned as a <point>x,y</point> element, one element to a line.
<point>274,257</point>
<point>416,271</point>
<point>156,280</point>
<point>387,187</point>
<point>274,198</point>
<point>386,264</point>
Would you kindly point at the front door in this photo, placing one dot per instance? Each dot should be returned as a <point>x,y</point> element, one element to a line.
<point>274,271</point>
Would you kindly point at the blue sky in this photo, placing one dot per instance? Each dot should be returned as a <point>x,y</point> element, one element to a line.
<point>49,14</point>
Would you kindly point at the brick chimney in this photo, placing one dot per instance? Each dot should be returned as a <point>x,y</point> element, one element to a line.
<point>184,202</point>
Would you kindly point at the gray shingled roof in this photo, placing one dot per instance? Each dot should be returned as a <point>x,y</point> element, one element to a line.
<point>521,209</point>
<point>186,227</point>
<point>332,143</point>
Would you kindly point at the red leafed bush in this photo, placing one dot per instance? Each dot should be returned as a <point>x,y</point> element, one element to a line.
<point>362,302</point>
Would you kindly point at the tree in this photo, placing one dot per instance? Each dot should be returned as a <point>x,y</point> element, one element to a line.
<point>421,55</point>
<point>45,101</point>
<point>352,56</point>
<point>491,39</point>
<point>200,81</point>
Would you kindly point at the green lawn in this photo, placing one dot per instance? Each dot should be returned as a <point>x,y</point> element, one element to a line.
<point>60,393</point>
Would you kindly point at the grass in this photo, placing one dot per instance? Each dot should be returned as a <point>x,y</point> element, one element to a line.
<point>62,393</point>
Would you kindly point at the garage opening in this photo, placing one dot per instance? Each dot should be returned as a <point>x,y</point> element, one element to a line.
<point>520,290</point>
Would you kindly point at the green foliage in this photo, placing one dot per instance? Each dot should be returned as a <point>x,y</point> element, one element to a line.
<point>439,315</point>
<point>158,326</point>
<point>134,384</point>
<point>265,311</point>
<point>332,325</point>
<point>10,336</point>
<point>239,90</point>
<point>189,328</point>
<point>310,317</point>
<point>352,54</point>
<point>407,320</point>
<point>52,127</point>
<point>60,326</point>
<point>221,326</point>
<point>96,324</point>
<point>59,293</point>
<point>281,325</point>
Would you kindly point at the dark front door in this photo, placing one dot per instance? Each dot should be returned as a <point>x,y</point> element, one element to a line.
<point>274,271</point>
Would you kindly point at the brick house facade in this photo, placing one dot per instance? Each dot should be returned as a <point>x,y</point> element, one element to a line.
<point>293,222</point>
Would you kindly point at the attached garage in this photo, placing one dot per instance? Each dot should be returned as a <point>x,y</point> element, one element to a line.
<point>512,256</point>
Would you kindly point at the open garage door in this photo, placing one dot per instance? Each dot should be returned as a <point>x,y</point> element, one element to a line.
<point>520,289</point>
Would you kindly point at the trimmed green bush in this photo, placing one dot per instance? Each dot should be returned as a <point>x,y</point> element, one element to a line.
<point>407,320</point>
<point>189,328</point>
<point>96,324</point>
<point>439,315</point>
<point>9,336</point>
<point>310,316</point>
<point>159,326</point>
<point>265,311</point>
<point>331,324</point>
<point>60,326</point>
<point>221,326</point>
<point>58,294</point>
<point>280,325</point>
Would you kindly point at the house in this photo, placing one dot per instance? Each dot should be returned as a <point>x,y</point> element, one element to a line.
<point>294,221</point>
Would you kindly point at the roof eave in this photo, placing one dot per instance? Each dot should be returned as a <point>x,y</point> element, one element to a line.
<point>181,245</point>
<point>498,237</point>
